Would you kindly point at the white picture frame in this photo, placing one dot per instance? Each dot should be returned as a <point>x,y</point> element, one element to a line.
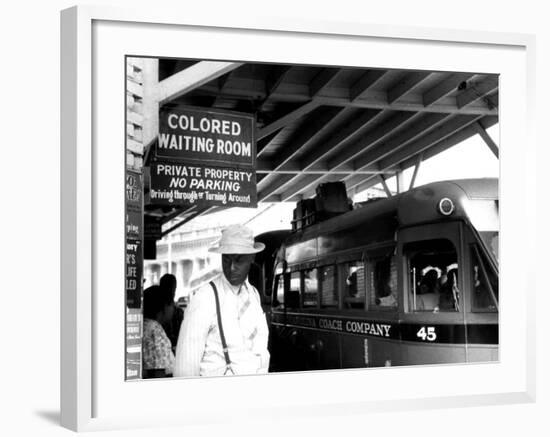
<point>93,394</point>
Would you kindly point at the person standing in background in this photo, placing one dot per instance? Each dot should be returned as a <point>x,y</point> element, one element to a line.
<point>172,326</point>
<point>158,308</point>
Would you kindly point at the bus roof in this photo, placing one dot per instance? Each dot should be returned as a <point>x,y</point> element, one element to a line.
<point>416,206</point>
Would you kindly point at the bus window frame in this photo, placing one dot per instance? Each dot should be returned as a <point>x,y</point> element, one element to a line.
<point>475,316</point>
<point>335,283</point>
<point>341,266</point>
<point>452,231</point>
<point>303,289</point>
<point>369,264</point>
<point>275,294</point>
<point>287,284</point>
<point>284,274</point>
<point>371,253</point>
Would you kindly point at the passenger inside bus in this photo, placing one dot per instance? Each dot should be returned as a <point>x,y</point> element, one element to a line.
<point>430,262</point>
<point>428,291</point>
<point>448,297</point>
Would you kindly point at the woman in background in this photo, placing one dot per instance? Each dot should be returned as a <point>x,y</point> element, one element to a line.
<point>158,309</point>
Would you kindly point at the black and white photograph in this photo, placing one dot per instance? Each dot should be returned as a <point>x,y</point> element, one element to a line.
<point>299,218</point>
<point>294,218</point>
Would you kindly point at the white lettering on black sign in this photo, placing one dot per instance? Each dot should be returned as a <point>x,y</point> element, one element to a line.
<point>376,329</point>
<point>181,184</point>
<point>208,137</point>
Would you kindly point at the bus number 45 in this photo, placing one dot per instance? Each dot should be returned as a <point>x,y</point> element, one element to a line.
<point>427,333</point>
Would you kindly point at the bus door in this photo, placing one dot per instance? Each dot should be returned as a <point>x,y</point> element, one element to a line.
<point>433,277</point>
<point>481,301</point>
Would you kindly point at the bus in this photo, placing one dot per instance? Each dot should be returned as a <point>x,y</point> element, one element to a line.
<point>407,280</point>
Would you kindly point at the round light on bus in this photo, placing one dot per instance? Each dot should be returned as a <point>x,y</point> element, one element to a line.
<point>446,206</point>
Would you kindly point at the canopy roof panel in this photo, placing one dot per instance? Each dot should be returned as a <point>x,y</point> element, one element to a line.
<point>323,123</point>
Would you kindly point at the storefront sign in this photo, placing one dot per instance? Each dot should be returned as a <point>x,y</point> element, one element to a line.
<point>134,238</point>
<point>206,137</point>
<point>134,209</point>
<point>183,184</point>
<point>134,328</point>
<point>134,272</point>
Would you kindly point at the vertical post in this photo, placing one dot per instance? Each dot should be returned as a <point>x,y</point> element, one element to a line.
<point>134,272</point>
<point>415,173</point>
<point>385,186</point>
<point>400,181</point>
<point>169,242</point>
<point>150,99</point>
<point>138,125</point>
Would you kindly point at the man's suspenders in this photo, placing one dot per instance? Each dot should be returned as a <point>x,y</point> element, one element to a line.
<point>222,335</point>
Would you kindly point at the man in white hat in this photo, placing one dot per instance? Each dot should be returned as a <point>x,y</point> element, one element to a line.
<point>224,331</point>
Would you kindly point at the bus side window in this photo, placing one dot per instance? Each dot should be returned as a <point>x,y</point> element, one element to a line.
<point>485,284</point>
<point>383,283</point>
<point>279,291</point>
<point>354,285</point>
<point>292,299</point>
<point>433,275</point>
<point>311,288</point>
<point>329,289</point>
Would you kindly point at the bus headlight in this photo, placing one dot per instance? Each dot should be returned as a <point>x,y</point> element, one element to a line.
<point>446,206</point>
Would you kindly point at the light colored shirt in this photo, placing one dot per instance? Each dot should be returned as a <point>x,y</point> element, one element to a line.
<point>427,301</point>
<point>157,348</point>
<point>199,351</point>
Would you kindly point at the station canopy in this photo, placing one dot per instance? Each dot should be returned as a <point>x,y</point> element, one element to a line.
<point>319,124</point>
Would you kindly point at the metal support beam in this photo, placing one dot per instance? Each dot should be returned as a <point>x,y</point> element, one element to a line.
<point>371,138</point>
<point>476,91</point>
<point>344,134</point>
<point>191,78</point>
<point>444,88</point>
<point>488,140</point>
<point>186,219</point>
<point>365,82</point>
<point>178,211</point>
<point>288,118</point>
<point>400,181</point>
<point>404,137</point>
<point>280,182</point>
<point>309,133</point>
<point>422,143</point>
<point>385,186</point>
<point>409,82</point>
<point>322,80</point>
<point>274,80</point>
<point>465,103</point>
<point>363,183</point>
<point>415,172</point>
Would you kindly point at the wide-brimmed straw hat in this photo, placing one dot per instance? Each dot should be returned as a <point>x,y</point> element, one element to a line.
<point>237,239</point>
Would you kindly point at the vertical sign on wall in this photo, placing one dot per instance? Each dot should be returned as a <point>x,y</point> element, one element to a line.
<point>134,272</point>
